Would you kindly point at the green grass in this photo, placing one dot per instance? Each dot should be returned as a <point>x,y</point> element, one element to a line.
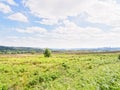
<point>60,72</point>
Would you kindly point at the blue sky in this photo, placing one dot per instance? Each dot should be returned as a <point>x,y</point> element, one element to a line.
<point>60,23</point>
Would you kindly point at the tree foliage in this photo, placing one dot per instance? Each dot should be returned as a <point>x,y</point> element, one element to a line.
<point>47,52</point>
<point>19,50</point>
<point>119,57</point>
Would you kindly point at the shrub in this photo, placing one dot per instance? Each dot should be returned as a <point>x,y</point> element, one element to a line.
<point>65,66</point>
<point>47,52</point>
<point>118,57</point>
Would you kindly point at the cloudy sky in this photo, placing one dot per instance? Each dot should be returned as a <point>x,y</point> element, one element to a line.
<point>60,23</point>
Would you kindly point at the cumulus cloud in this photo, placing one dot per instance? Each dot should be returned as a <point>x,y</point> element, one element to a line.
<point>5,8</point>
<point>106,12</point>
<point>18,17</point>
<point>99,11</point>
<point>68,34</point>
<point>32,30</point>
<point>57,9</point>
<point>11,2</point>
<point>71,36</point>
<point>49,21</point>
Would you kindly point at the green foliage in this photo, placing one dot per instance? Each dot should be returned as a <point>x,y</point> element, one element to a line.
<point>19,50</point>
<point>47,52</point>
<point>4,88</point>
<point>118,57</point>
<point>65,66</point>
<point>61,72</point>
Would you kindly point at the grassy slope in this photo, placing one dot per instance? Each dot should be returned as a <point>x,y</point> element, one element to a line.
<point>60,72</point>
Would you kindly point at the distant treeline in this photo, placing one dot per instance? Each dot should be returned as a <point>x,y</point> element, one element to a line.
<point>24,50</point>
<point>19,50</point>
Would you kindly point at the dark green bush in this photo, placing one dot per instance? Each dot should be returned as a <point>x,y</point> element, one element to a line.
<point>118,57</point>
<point>47,52</point>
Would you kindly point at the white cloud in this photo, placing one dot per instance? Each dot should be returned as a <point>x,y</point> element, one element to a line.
<point>106,12</point>
<point>18,17</point>
<point>32,30</point>
<point>57,9</point>
<point>70,36</point>
<point>99,11</point>
<point>48,21</point>
<point>5,8</point>
<point>11,2</point>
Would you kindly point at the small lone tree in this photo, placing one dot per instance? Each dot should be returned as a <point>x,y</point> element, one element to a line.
<point>47,52</point>
<point>118,57</point>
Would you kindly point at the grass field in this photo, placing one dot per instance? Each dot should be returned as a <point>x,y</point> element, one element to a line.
<point>60,72</point>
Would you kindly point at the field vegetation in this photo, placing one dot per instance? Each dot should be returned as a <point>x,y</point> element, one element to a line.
<point>60,72</point>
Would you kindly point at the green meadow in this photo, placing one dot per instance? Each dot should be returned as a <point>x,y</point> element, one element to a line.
<point>60,72</point>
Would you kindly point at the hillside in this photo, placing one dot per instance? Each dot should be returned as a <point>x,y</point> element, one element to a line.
<point>19,50</point>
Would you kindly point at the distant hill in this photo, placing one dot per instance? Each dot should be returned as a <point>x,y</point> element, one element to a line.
<point>99,49</point>
<point>104,49</point>
<point>20,50</point>
<point>107,49</point>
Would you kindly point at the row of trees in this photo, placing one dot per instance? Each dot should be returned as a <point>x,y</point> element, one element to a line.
<point>47,52</point>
